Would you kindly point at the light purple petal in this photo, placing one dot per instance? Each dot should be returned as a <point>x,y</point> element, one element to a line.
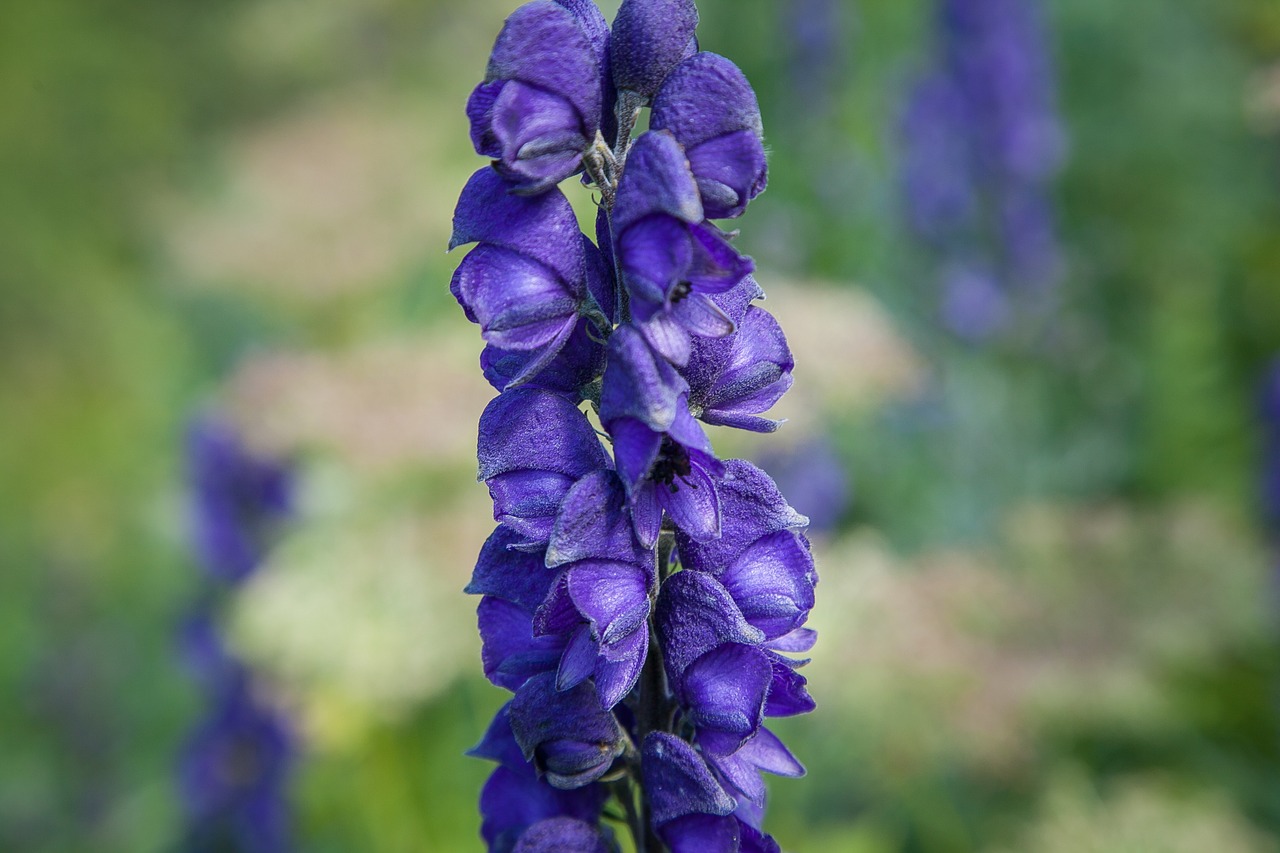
<point>725,690</point>
<point>638,383</point>
<point>593,522</point>
<point>749,496</point>
<point>562,835</point>
<point>772,581</point>
<point>695,614</point>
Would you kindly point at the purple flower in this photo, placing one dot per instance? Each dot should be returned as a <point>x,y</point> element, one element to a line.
<point>539,108</point>
<point>237,500</point>
<point>624,601</point>
<point>565,733</point>
<point>650,37</point>
<point>533,446</point>
<point>982,146</point>
<point>516,799</point>
<point>671,259</point>
<point>672,471</point>
<point>710,108</point>
<point>532,274</point>
<point>234,773</point>
<point>733,379</point>
<point>1269,409</point>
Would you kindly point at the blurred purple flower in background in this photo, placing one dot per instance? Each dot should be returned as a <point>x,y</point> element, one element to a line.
<point>234,769</point>
<point>982,146</point>
<point>815,480</point>
<point>1269,409</point>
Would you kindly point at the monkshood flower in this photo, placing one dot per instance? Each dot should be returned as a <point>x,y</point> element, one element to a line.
<point>1269,409</point>
<point>982,146</point>
<point>234,772</point>
<point>670,258</point>
<point>539,109</point>
<point>235,766</point>
<point>711,110</point>
<point>641,598</point>
<point>236,499</point>
<point>531,277</point>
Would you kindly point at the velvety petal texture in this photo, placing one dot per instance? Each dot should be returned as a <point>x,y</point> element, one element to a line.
<point>733,379</point>
<point>566,734</point>
<point>650,37</point>
<point>539,107</point>
<point>710,108</point>
<point>532,274</point>
<point>562,835</point>
<point>533,446</point>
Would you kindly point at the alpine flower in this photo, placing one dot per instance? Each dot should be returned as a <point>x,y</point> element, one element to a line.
<point>642,599</point>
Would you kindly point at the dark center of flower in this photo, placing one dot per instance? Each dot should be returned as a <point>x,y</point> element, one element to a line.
<point>672,463</point>
<point>680,291</point>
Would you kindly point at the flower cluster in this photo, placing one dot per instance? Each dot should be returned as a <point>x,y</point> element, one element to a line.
<point>235,766</point>
<point>641,598</point>
<point>982,143</point>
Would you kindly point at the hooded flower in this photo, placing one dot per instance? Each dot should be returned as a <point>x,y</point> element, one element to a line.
<point>710,108</point>
<point>533,446</point>
<point>532,274</point>
<point>515,799</point>
<point>1269,409</point>
<point>671,260</point>
<point>540,105</point>
<point>570,739</point>
<point>650,37</point>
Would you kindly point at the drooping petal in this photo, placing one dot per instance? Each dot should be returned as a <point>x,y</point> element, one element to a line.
<point>772,581</point>
<point>657,180</point>
<point>566,733</point>
<point>788,696</point>
<point>725,690</point>
<point>510,653</point>
<point>543,227</point>
<point>703,833</point>
<point>749,496</point>
<point>692,503</point>
<point>677,781</point>
<point>734,379</point>
<point>740,769</point>
<point>635,449</point>
<point>593,523</point>
<point>650,37</point>
<point>510,574</point>
<point>613,597</point>
<point>695,614</point>
<point>731,170</point>
<point>638,383</point>
<point>547,45</point>
<point>527,501</point>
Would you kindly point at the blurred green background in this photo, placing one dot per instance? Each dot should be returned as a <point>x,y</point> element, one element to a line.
<point>1049,621</point>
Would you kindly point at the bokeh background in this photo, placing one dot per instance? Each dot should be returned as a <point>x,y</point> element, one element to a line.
<point>1048,604</point>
